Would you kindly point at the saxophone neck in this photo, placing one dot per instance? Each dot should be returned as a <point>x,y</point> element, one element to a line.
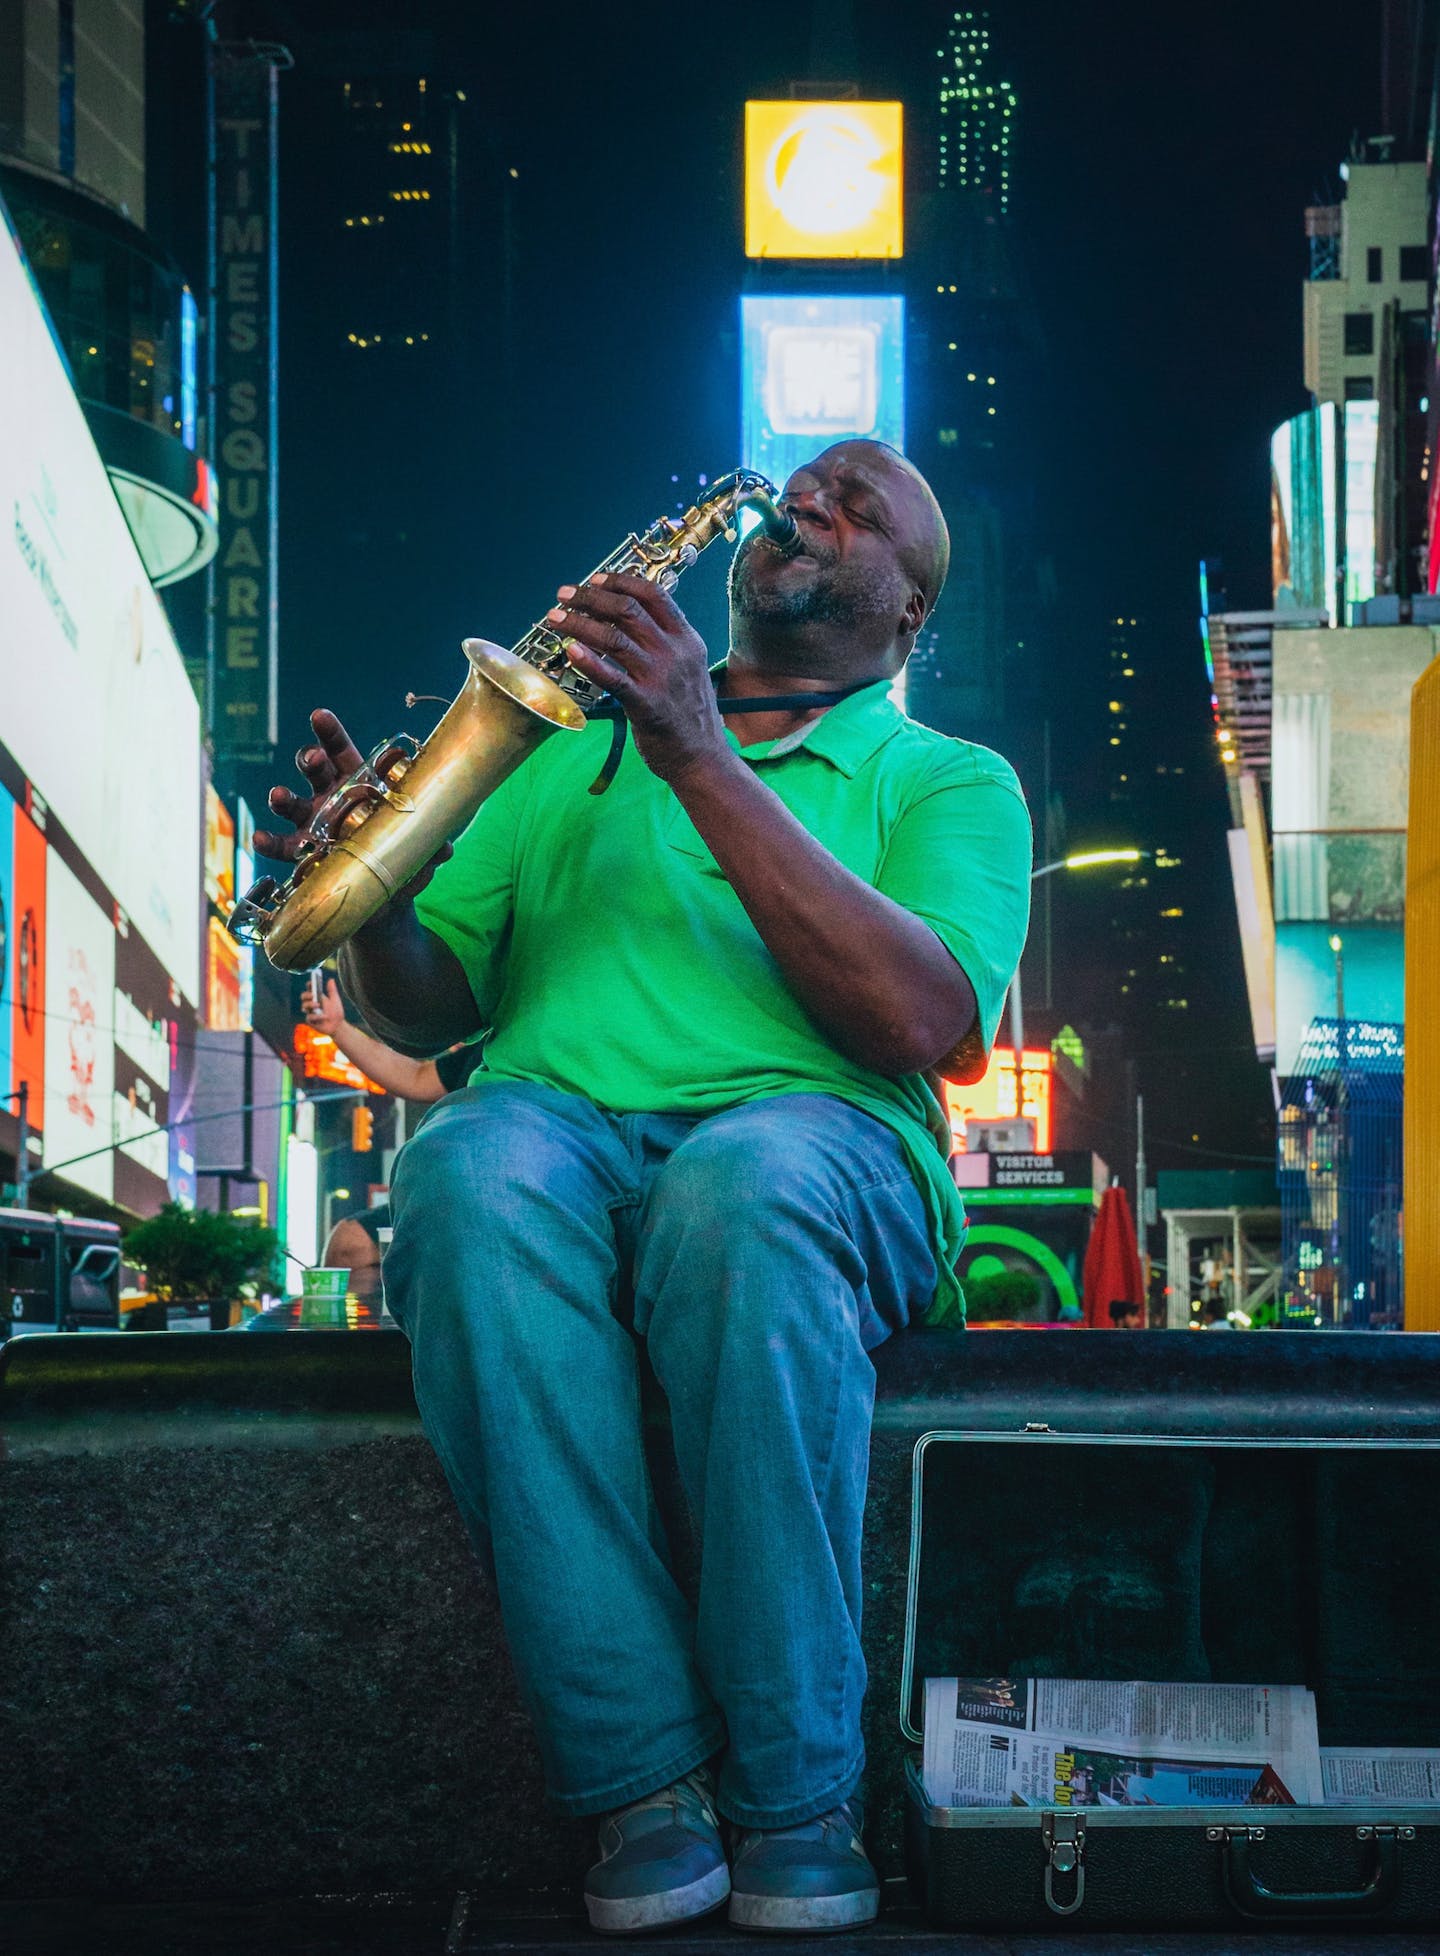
<point>746,489</point>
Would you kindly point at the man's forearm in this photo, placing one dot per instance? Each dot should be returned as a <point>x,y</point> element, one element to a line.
<point>874,978</point>
<point>407,984</point>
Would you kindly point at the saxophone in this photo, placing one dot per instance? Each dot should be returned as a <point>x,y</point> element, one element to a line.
<point>379,828</point>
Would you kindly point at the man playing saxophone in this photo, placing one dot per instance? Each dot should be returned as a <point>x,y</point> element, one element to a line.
<point>709,998</point>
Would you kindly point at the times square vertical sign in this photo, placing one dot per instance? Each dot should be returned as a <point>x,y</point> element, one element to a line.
<point>242,644</point>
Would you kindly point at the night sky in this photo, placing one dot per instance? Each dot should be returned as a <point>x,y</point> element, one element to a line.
<point>1163,160</point>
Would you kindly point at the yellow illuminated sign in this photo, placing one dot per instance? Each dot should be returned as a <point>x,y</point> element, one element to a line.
<point>822,180</point>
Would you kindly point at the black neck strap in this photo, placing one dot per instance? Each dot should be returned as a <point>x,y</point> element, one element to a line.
<point>611,709</point>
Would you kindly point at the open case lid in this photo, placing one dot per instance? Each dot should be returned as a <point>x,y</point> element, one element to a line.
<point>1284,1560</point>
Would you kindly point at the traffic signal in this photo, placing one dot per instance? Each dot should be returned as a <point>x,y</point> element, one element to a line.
<point>362,1128</point>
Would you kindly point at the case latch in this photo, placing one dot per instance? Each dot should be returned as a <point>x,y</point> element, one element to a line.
<point>1064,1838</point>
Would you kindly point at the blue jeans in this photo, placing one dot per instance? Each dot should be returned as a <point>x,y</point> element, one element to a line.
<point>761,1253</point>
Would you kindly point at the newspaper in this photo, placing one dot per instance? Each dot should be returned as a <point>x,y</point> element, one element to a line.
<point>1060,1742</point>
<point>1355,1776</point>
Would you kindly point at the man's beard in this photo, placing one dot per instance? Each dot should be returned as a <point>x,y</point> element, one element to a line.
<point>839,595</point>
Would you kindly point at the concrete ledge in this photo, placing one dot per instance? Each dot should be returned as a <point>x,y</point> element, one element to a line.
<point>249,1654</point>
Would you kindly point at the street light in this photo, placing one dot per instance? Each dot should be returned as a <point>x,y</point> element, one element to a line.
<point>1085,859</point>
<point>1090,859</point>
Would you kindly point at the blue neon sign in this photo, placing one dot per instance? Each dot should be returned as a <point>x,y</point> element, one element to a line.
<point>817,371</point>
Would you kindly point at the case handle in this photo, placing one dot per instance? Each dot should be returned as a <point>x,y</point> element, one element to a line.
<point>1249,1895</point>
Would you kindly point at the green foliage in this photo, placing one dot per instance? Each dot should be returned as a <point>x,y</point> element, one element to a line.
<point>194,1254</point>
<point>1005,1294</point>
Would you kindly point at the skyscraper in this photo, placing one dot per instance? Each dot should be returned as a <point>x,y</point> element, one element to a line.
<point>973,426</point>
<point>1139,978</point>
<point>977,106</point>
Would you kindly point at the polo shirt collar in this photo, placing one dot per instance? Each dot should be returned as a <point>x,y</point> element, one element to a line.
<point>848,734</point>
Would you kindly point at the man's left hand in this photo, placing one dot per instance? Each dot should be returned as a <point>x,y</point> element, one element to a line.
<point>632,638</point>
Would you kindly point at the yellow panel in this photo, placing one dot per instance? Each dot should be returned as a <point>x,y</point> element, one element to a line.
<point>1422,1011</point>
<point>823,180</point>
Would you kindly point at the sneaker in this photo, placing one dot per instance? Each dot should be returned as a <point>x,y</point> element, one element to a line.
<point>661,1861</point>
<point>799,1879</point>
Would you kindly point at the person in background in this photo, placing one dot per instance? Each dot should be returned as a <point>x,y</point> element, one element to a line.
<point>1125,1316</point>
<point>419,1080</point>
<point>355,1241</point>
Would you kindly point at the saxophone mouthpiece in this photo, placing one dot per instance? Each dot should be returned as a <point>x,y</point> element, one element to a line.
<point>782,532</point>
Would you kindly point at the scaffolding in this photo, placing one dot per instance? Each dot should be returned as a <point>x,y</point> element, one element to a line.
<point>1244,1243</point>
<point>1340,1172</point>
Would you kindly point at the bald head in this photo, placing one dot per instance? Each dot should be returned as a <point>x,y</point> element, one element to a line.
<point>922,536</point>
<point>872,557</point>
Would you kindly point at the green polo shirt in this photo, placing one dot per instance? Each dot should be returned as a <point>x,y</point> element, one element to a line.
<point>610,958</point>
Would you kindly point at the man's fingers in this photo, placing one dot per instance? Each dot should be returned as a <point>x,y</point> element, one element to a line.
<point>579,622</point>
<point>291,807</point>
<point>278,848</point>
<point>611,606</point>
<point>335,759</point>
<point>340,750</point>
<point>639,591</point>
<point>605,671</point>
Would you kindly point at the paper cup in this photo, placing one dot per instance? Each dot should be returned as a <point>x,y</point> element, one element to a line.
<point>322,1298</point>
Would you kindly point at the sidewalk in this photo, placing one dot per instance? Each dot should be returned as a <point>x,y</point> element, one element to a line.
<point>470,1926</point>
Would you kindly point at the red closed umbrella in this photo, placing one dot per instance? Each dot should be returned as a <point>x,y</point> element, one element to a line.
<point>1112,1261</point>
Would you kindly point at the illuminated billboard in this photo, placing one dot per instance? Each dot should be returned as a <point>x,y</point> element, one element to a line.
<point>1306,970</point>
<point>817,371</point>
<point>79,1033</point>
<point>222,979</point>
<point>97,710</point>
<point>321,1059</point>
<point>1305,498</point>
<point>244,877</point>
<point>26,954</point>
<point>993,1097</point>
<point>219,852</point>
<point>823,180</point>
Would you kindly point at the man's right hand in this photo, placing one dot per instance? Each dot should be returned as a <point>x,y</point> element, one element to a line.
<point>334,760</point>
<point>324,767</point>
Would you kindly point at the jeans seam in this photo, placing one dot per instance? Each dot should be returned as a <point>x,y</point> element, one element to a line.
<point>824,1488</point>
<point>636,1786</point>
<point>799,1811</point>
